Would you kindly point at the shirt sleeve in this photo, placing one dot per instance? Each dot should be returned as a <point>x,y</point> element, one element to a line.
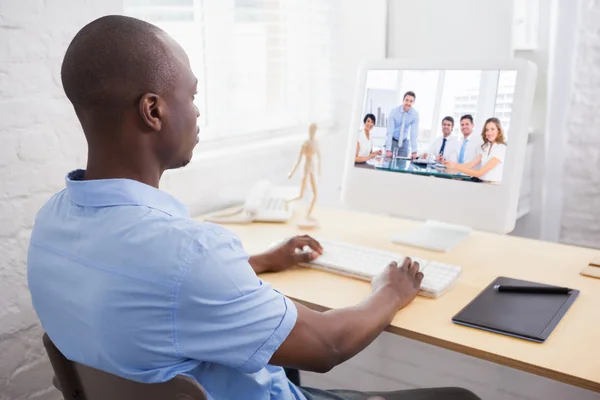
<point>224,313</point>
<point>499,152</point>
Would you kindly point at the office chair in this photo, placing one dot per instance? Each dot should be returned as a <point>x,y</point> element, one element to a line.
<point>79,382</point>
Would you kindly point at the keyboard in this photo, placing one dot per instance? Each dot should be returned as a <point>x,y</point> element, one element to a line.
<point>365,262</point>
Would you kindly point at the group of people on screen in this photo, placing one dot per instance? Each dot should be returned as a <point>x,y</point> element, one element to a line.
<point>481,156</point>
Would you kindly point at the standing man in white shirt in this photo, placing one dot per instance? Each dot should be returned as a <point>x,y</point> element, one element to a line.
<point>444,146</point>
<point>470,145</point>
<point>402,120</point>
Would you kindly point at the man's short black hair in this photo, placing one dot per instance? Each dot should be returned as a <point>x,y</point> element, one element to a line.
<point>449,119</point>
<point>410,93</point>
<point>467,116</point>
<point>112,61</point>
<point>369,116</point>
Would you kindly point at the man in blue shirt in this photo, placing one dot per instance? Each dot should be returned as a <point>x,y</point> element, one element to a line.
<point>403,128</point>
<point>123,280</point>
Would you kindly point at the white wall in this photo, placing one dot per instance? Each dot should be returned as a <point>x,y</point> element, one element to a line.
<point>563,50</point>
<point>580,217</point>
<point>531,224</point>
<point>41,141</point>
<point>453,29</point>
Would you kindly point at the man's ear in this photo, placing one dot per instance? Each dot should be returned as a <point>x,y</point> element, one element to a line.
<point>152,111</point>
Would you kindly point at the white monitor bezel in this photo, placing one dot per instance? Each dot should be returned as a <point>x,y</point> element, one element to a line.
<point>419,197</point>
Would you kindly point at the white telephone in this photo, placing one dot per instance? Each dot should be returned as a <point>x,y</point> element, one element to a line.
<point>263,204</point>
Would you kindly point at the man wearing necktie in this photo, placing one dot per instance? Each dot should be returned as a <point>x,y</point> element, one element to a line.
<point>445,145</point>
<point>470,144</point>
<point>402,120</point>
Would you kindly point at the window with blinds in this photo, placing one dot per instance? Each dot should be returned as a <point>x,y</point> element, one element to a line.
<point>263,66</point>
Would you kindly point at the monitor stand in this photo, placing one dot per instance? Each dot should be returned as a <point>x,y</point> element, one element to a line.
<point>434,235</point>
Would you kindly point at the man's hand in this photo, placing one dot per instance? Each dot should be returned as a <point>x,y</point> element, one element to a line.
<point>403,281</point>
<point>450,164</point>
<point>413,155</point>
<point>285,256</point>
<point>388,153</point>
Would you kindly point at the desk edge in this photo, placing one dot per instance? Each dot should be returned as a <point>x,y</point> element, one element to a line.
<point>484,355</point>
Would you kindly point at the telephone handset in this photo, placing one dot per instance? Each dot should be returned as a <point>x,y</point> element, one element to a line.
<point>263,204</point>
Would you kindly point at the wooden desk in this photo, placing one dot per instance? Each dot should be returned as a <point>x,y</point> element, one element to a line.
<point>571,354</point>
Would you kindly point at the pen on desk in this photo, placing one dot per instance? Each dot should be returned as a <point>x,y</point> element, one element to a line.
<point>532,289</point>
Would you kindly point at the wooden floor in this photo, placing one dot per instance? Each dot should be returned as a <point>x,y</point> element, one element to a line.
<point>396,363</point>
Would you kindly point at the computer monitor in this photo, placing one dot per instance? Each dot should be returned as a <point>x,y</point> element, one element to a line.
<point>440,140</point>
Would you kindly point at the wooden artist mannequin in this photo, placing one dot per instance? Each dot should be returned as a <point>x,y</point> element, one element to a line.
<point>310,152</point>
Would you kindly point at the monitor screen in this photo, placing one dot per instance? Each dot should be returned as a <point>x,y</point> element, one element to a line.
<point>448,124</point>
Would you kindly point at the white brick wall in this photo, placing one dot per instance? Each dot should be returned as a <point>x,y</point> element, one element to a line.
<point>580,224</point>
<point>40,140</point>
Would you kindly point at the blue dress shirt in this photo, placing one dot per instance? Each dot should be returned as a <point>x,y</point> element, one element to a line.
<point>123,280</point>
<point>395,131</point>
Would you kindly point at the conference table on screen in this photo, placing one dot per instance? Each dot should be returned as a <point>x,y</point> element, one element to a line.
<point>414,167</point>
<point>571,354</point>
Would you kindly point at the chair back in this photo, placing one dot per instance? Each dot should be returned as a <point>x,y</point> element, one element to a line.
<point>80,382</point>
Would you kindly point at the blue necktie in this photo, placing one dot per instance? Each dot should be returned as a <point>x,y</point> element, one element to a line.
<point>443,145</point>
<point>461,157</point>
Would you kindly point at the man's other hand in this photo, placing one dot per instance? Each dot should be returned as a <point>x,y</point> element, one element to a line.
<point>286,255</point>
<point>402,281</point>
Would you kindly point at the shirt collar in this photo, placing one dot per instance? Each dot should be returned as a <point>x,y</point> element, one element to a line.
<point>121,192</point>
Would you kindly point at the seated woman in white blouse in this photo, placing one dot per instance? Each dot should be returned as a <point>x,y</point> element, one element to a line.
<point>364,146</point>
<point>491,156</point>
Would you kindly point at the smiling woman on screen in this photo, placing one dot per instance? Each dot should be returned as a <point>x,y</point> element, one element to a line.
<point>491,156</point>
<point>364,146</point>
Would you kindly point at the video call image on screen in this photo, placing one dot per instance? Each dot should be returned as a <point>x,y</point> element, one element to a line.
<point>452,124</point>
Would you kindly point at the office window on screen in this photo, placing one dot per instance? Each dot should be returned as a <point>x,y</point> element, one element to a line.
<point>263,66</point>
<point>441,93</point>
